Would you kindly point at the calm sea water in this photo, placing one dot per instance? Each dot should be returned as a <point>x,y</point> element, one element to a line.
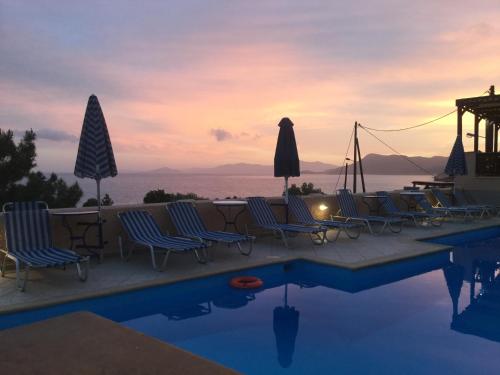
<point>131,187</point>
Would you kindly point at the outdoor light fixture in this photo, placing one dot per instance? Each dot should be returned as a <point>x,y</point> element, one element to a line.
<point>323,207</point>
<point>472,135</point>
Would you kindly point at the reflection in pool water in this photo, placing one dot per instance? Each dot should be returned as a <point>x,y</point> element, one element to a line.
<point>313,318</point>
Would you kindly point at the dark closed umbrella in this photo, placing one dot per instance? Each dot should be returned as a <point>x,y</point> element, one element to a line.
<point>286,157</point>
<point>456,165</point>
<point>95,157</point>
<point>286,327</point>
<point>454,276</point>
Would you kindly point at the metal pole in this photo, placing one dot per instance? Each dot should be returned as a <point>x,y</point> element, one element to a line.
<point>345,177</point>
<point>361,167</point>
<point>354,176</point>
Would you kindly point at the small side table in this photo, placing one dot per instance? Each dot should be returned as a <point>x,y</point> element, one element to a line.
<point>64,215</point>
<point>225,208</point>
<point>409,198</point>
<point>373,209</point>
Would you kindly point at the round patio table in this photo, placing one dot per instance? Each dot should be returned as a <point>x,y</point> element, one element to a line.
<point>226,208</point>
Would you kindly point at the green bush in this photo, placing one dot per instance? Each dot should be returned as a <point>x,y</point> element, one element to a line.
<point>160,196</point>
<point>306,189</point>
<point>105,201</point>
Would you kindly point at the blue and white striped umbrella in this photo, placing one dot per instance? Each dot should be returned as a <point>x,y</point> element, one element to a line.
<point>95,157</point>
<point>456,165</point>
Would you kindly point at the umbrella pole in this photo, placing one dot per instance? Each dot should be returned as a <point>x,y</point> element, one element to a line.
<point>286,190</point>
<point>98,181</point>
<point>286,199</point>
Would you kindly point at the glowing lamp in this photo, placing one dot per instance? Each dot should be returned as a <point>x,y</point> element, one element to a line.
<point>323,207</point>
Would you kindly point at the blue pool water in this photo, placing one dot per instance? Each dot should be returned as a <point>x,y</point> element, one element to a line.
<point>438,313</point>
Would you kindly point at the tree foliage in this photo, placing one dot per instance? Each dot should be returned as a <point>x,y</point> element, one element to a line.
<point>105,201</point>
<point>160,196</point>
<point>306,189</point>
<point>19,183</point>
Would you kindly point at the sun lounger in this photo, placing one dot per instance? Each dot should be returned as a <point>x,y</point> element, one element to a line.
<point>303,216</point>
<point>349,210</point>
<point>263,216</point>
<point>462,201</point>
<point>188,223</point>
<point>29,245</point>
<point>392,209</point>
<point>444,202</point>
<point>142,230</point>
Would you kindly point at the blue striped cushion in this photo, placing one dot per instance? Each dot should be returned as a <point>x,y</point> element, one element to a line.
<point>347,203</point>
<point>388,203</point>
<point>222,236</point>
<point>261,211</point>
<point>186,219</point>
<point>27,230</point>
<point>25,206</point>
<point>338,224</point>
<point>48,257</point>
<point>142,228</point>
<point>441,197</point>
<point>300,210</point>
<point>294,228</point>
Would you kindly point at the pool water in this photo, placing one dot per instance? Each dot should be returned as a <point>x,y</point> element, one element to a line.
<point>437,313</point>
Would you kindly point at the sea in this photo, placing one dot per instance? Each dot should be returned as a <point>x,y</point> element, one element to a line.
<point>130,188</point>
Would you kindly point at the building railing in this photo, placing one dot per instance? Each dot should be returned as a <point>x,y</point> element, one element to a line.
<point>488,164</point>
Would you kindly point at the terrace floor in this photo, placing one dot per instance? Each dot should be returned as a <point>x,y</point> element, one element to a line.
<point>56,286</point>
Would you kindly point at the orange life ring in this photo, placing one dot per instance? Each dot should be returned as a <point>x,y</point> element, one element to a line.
<point>246,282</point>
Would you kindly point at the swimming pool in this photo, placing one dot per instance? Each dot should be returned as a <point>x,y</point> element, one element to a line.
<point>424,315</point>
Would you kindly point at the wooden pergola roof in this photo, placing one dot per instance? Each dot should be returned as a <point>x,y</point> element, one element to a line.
<point>485,107</point>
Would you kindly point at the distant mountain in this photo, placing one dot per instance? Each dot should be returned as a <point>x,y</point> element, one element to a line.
<point>397,165</point>
<point>164,170</point>
<point>372,164</point>
<point>245,169</point>
<point>315,166</point>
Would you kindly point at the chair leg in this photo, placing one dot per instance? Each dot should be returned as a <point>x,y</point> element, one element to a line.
<point>153,257</point>
<point>398,229</point>
<point>4,262</point>
<point>198,258</point>
<point>241,250</point>
<point>83,272</point>
<point>369,227</point>
<point>21,284</point>
<point>283,237</point>
<point>165,260</point>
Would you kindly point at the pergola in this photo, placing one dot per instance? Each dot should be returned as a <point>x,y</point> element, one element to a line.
<point>483,108</point>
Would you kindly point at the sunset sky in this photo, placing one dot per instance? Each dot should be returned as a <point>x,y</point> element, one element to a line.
<point>200,83</point>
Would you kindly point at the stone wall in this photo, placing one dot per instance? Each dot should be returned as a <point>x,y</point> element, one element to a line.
<point>213,219</point>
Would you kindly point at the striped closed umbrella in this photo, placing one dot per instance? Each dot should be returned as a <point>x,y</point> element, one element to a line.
<point>95,157</point>
<point>456,165</point>
<point>286,157</point>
